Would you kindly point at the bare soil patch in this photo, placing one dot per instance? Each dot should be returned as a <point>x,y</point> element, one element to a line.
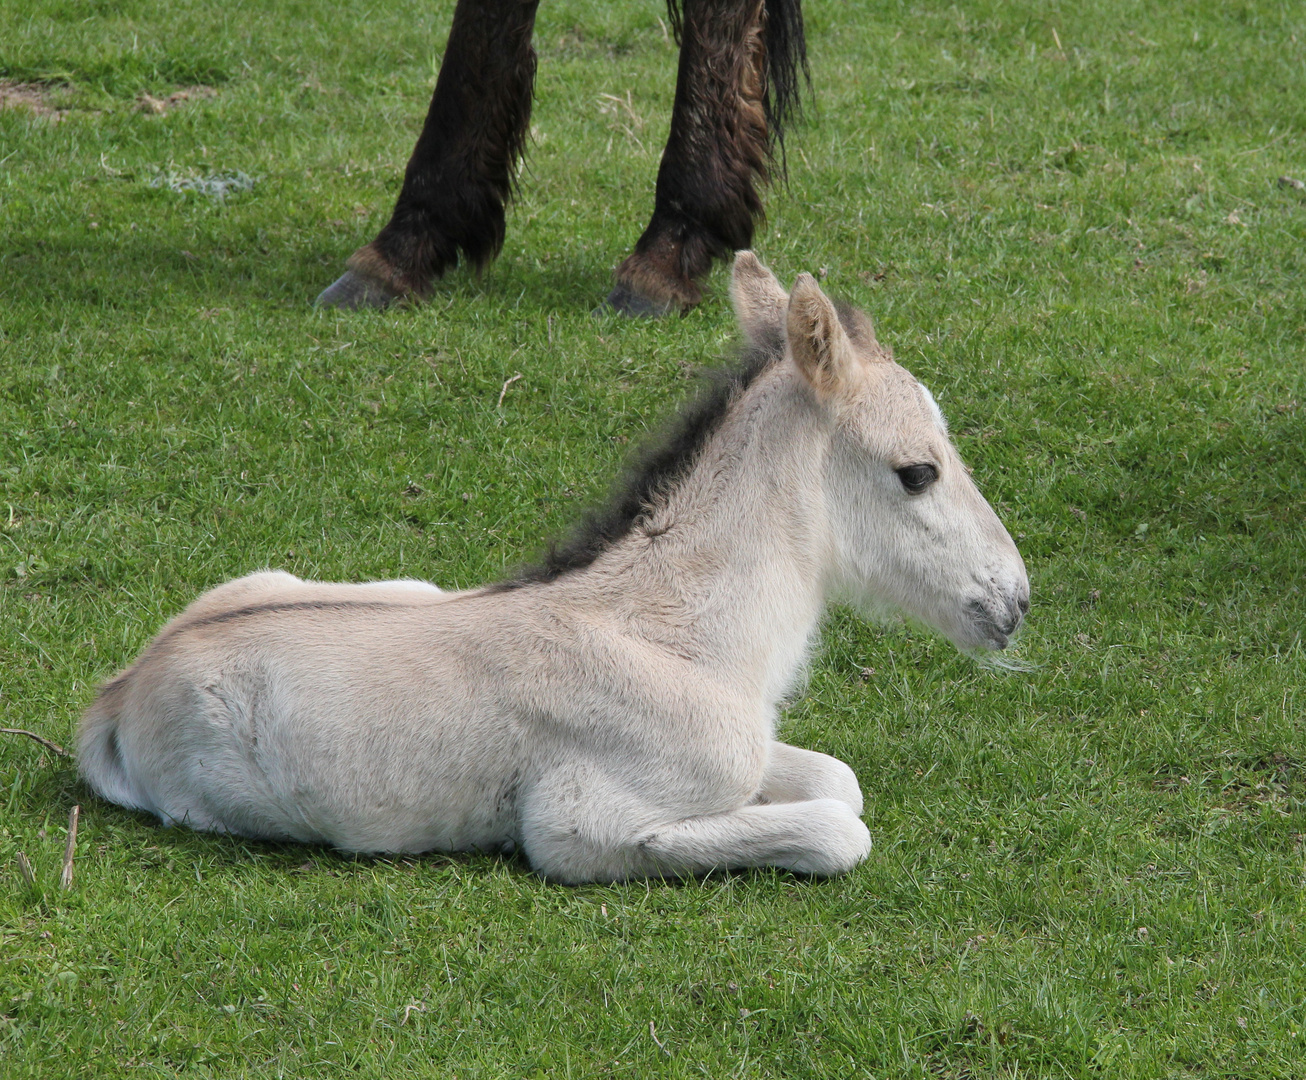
<point>34,97</point>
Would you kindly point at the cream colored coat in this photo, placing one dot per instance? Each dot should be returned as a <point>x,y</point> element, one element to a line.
<point>618,721</point>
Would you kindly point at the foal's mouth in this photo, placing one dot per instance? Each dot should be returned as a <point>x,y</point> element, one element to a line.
<point>997,629</point>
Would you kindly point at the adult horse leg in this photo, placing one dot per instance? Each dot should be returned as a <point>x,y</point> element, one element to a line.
<point>461,171</point>
<point>737,80</point>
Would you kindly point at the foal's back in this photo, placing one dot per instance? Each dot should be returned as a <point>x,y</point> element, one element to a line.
<point>388,716</point>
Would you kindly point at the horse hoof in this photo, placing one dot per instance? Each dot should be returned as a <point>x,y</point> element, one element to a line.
<point>626,301</point>
<point>352,291</point>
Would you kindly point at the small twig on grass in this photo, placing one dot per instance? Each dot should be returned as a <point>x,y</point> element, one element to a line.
<point>505,389</point>
<point>1292,182</point>
<point>25,868</point>
<point>33,735</point>
<point>66,878</point>
<point>654,1032</point>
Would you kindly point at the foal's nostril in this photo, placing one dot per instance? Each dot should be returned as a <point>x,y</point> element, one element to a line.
<point>1017,609</point>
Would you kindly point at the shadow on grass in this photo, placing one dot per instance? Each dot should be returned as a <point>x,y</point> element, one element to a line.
<point>132,272</point>
<point>211,851</point>
<point>157,845</point>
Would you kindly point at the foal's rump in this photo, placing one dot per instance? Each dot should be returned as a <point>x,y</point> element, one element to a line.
<point>288,710</point>
<point>99,751</point>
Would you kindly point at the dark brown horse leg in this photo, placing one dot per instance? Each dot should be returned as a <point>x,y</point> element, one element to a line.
<point>461,172</point>
<point>706,202</point>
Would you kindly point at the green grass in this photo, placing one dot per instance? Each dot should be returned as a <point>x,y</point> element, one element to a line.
<point>1066,219</point>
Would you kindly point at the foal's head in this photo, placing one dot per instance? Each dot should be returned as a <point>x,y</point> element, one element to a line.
<point>910,529</point>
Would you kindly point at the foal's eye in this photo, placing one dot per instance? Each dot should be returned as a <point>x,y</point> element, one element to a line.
<point>916,478</point>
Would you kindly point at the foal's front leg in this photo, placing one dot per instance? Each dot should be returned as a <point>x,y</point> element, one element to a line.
<point>820,836</point>
<point>580,825</point>
<point>797,775</point>
<point>461,172</point>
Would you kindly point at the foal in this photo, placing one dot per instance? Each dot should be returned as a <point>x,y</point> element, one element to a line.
<point>611,713</point>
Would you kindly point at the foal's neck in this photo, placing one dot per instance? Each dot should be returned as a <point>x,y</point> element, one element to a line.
<point>747,546</point>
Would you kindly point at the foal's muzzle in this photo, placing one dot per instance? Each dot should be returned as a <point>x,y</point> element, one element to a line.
<point>996,620</point>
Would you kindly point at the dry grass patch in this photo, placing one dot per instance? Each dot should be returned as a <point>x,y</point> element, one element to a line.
<point>148,103</point>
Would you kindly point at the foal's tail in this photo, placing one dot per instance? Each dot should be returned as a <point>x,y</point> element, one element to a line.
<point>99,755</point>
<point>786,61</point>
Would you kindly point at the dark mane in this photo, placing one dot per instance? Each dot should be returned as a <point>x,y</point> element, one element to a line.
<point>655,468</point>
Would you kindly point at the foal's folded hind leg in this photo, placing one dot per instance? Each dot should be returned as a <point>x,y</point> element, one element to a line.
<point>461,172</point>
<point>736,81</point>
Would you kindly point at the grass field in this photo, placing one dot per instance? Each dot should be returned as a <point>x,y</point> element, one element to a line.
<point>1067,220</point>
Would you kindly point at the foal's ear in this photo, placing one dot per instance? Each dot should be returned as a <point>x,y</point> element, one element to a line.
<point>758,298</point>
<point>819,344</point>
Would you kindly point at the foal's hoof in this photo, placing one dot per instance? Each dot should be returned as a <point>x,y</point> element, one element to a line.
<point>353,291</point>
